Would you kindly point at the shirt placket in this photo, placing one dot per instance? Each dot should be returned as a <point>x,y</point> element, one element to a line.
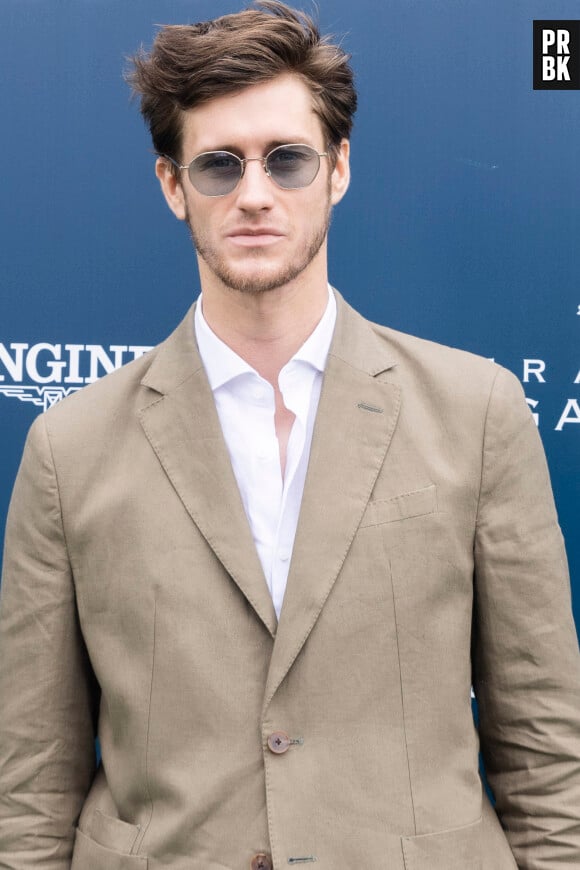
<point>295,385</point>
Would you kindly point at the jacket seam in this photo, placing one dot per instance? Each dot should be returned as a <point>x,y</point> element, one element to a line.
<point>403,705</point>
<point>483,453</point>
<point>58,499</point>
<point>145,827</point>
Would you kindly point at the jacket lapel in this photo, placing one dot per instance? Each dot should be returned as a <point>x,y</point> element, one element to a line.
<point>356,418</point>
<point>183,428</point>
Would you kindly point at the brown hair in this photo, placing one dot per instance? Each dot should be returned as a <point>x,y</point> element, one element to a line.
<point>192,64</point>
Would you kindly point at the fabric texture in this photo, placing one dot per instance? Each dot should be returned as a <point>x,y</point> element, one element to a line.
<point>427,558</point>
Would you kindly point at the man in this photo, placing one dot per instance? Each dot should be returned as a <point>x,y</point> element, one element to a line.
<point>265,563</point>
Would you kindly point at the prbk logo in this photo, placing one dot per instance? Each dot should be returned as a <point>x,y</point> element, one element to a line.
<point>43,373</point>
<point>557,55</point>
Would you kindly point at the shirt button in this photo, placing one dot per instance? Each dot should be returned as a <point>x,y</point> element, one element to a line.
<point>278,742</point>
<point>284,555</point>
<point>261,862</point>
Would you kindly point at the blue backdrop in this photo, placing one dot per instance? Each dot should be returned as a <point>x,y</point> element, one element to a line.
<point>461,224</point>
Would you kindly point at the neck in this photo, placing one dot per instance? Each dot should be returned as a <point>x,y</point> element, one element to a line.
<point>266,329</point>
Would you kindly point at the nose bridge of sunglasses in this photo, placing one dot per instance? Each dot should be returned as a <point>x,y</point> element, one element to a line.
<point>257,174</point>
<point>263,161</point>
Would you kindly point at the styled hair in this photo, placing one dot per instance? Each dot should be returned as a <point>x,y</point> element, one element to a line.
<point>189,65</point>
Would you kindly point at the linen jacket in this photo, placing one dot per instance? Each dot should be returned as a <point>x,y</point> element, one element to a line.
<point>427,559</point>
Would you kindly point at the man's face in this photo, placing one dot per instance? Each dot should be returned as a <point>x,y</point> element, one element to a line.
<point>258,237</point>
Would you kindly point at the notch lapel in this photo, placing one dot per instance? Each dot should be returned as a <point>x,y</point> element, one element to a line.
<point>183,428</point>
<point>356,417</point>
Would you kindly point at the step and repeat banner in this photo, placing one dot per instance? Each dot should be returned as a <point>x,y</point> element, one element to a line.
<point>461,224</point>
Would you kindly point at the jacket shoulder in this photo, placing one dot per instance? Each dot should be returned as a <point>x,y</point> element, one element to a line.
<point>96,400</point>
<point>123,393</point>
<point>426,352</point>
<point>449,370</point>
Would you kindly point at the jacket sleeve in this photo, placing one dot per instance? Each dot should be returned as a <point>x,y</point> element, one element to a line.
<point>526,658</point>
<point>47,696</point>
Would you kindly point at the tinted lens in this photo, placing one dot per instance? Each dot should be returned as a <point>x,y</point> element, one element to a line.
<point>293,166</point>
<point>215,173</point>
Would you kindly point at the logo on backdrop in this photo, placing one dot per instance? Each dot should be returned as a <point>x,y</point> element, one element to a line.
<point>557,55</point>
<point>534,371</point>
<point>42,374</point>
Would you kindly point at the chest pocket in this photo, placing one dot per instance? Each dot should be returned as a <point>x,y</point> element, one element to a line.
<point>400,507</point>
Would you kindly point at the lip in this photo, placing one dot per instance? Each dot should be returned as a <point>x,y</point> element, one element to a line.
<point>254,236</point>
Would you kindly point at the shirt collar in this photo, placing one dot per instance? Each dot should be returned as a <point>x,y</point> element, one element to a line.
<point>222,364</point>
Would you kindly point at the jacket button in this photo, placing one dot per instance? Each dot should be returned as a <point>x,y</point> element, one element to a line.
<point>262,862</point>
<point>278,742</point>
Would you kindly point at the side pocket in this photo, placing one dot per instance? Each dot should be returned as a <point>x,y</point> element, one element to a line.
<point>90,855</point>
<point>454,849</point>
<point>112,833</point>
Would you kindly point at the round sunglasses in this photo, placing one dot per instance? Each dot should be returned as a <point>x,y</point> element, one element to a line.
<point>217,173</point>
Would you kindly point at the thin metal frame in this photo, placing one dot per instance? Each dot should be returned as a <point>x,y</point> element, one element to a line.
<point>243,161</point>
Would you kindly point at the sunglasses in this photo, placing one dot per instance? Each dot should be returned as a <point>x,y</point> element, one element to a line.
<point>217,173</point>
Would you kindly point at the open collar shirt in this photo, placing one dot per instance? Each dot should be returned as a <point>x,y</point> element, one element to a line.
<point>245,406</point>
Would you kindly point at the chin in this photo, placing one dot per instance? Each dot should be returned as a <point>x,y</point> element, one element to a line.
<point>254,285</point>
<point>256,281</point>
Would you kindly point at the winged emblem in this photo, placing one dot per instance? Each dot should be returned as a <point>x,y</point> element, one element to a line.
<point>42,397</point>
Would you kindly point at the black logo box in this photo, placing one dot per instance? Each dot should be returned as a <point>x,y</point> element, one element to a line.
<point>569,62</point>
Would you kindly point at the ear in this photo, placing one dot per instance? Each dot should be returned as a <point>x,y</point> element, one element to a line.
<point>340,178</point>
<point>171,187</point>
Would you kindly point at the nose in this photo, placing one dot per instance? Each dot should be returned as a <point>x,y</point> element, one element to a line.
<point>255,190</point>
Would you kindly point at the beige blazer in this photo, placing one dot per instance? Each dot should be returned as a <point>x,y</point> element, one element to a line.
<point>427,558</point>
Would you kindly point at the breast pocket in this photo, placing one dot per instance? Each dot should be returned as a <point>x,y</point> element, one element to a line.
<point>416,503</point>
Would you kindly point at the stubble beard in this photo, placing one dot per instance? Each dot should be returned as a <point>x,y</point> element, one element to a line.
<point>258,284</point>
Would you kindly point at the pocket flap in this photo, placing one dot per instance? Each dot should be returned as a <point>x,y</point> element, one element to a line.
<point>454,849</point>
<point>112,833</point>
<point>90,855</point>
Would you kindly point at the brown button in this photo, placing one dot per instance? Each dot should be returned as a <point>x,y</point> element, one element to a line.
<point>262,862</point>
<point>278,742</point>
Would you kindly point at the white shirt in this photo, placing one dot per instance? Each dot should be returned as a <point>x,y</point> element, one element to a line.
<point>245,406</point>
